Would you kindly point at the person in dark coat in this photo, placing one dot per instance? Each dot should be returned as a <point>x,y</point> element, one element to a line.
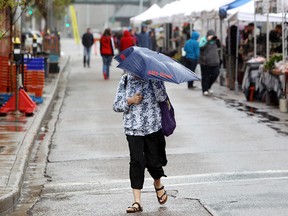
<point>209,61</point>
<point>107,51</point>
<point>192,50</point>
<point>231,57</point>
<point>126,41</point>
<point>87,41</point>
<point>153,40</point>
<point>143,38</point>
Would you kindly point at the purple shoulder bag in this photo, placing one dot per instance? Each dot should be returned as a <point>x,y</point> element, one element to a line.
<point>168,117</point>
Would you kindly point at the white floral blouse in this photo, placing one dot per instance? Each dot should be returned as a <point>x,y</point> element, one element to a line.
<point>144,118</point>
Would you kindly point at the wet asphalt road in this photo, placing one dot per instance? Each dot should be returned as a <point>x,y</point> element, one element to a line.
<point>222,160</point>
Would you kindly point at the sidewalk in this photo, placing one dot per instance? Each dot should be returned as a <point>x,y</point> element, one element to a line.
<point>17,136</point>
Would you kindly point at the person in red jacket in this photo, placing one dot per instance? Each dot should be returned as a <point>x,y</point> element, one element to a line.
<point>106,51</point>
<point>126,41</point>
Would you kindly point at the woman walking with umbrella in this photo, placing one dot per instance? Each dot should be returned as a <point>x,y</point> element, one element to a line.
<point>139,100</point>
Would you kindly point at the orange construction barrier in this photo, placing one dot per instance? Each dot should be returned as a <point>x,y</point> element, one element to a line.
<point>26,105</point>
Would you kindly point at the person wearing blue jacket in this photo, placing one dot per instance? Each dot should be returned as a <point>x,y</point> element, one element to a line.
<point>192,50</point>
<point>143,38</point>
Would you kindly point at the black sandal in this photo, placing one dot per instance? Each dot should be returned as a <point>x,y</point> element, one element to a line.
<point>161,197</point>
<point>134,209</point>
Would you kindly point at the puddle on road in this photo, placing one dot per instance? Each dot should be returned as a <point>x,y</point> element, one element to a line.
<point>263,116</point>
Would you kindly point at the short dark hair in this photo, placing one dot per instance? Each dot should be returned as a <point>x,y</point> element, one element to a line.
<point>278,26</point>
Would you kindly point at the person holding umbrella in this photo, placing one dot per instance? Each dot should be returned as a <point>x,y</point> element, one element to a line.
<point>139,99</point>
<point>209,61</point>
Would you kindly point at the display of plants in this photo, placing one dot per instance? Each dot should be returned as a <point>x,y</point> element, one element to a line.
<point>270,64</point>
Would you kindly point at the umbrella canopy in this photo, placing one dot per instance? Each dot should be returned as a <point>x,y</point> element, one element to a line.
<point>148,65</point>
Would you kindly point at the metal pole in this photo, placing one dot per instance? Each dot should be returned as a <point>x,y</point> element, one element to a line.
<point>254,33</point>
<point>17,87</point>
<point>267,38</point>
<point>140,6</point>
<point>88,15</point>
<point>283,33</point>
<point>221,53</point>
<point>17,31</point>
<point>237,60</point>
<point>50,13</point>
<point>229,55</point>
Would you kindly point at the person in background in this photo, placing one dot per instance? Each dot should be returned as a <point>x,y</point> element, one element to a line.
<point>231,60</point>
<point>143,38</point>
<point>117,35</point>
<point>139,99</point>
<point>23,40</point>
<point>153,40</point>
<point>133,33</point>
<point>87,41</point>
<point>275,37</point>
<point>248,37</point>
<point>209,61</point>
<point>177,38</point>
<point>160,41</point>
<point>126,41</point>
<point>106,51</point>
<point>192,51</point>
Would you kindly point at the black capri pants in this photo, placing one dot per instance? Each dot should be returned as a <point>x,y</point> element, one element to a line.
<point>146,151</point>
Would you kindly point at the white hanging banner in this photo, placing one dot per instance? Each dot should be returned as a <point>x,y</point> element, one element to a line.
<point>268,6</point>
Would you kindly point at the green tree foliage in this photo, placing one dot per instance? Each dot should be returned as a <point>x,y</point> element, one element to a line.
<point>58,7</point>
<point>11,3</point>
<point>7,3</point>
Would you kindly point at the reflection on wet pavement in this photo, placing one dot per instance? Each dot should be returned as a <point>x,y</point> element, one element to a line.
<point>263,116</point>
<point>10,125</point>
<point>12,128</point>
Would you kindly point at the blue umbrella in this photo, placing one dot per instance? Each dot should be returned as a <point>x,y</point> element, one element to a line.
<point>148,65</point>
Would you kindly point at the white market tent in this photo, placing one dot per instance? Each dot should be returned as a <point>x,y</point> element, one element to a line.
<point>183,9</point>
<point>203,15</point>
<point>246,12</point>
<point>151,12</point>
<point>165,14</point>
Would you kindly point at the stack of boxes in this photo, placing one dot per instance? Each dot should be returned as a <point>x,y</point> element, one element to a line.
<point>4,74</point>
<point>34,77</point>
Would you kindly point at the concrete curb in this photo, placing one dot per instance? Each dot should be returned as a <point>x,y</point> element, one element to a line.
<point>14,186</point>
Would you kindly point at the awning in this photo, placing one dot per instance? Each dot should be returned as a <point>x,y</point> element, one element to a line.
<point>146,15</point>
<point>223,9</point>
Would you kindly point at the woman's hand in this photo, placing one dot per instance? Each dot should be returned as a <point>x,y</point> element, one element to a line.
<point>135,99</point>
